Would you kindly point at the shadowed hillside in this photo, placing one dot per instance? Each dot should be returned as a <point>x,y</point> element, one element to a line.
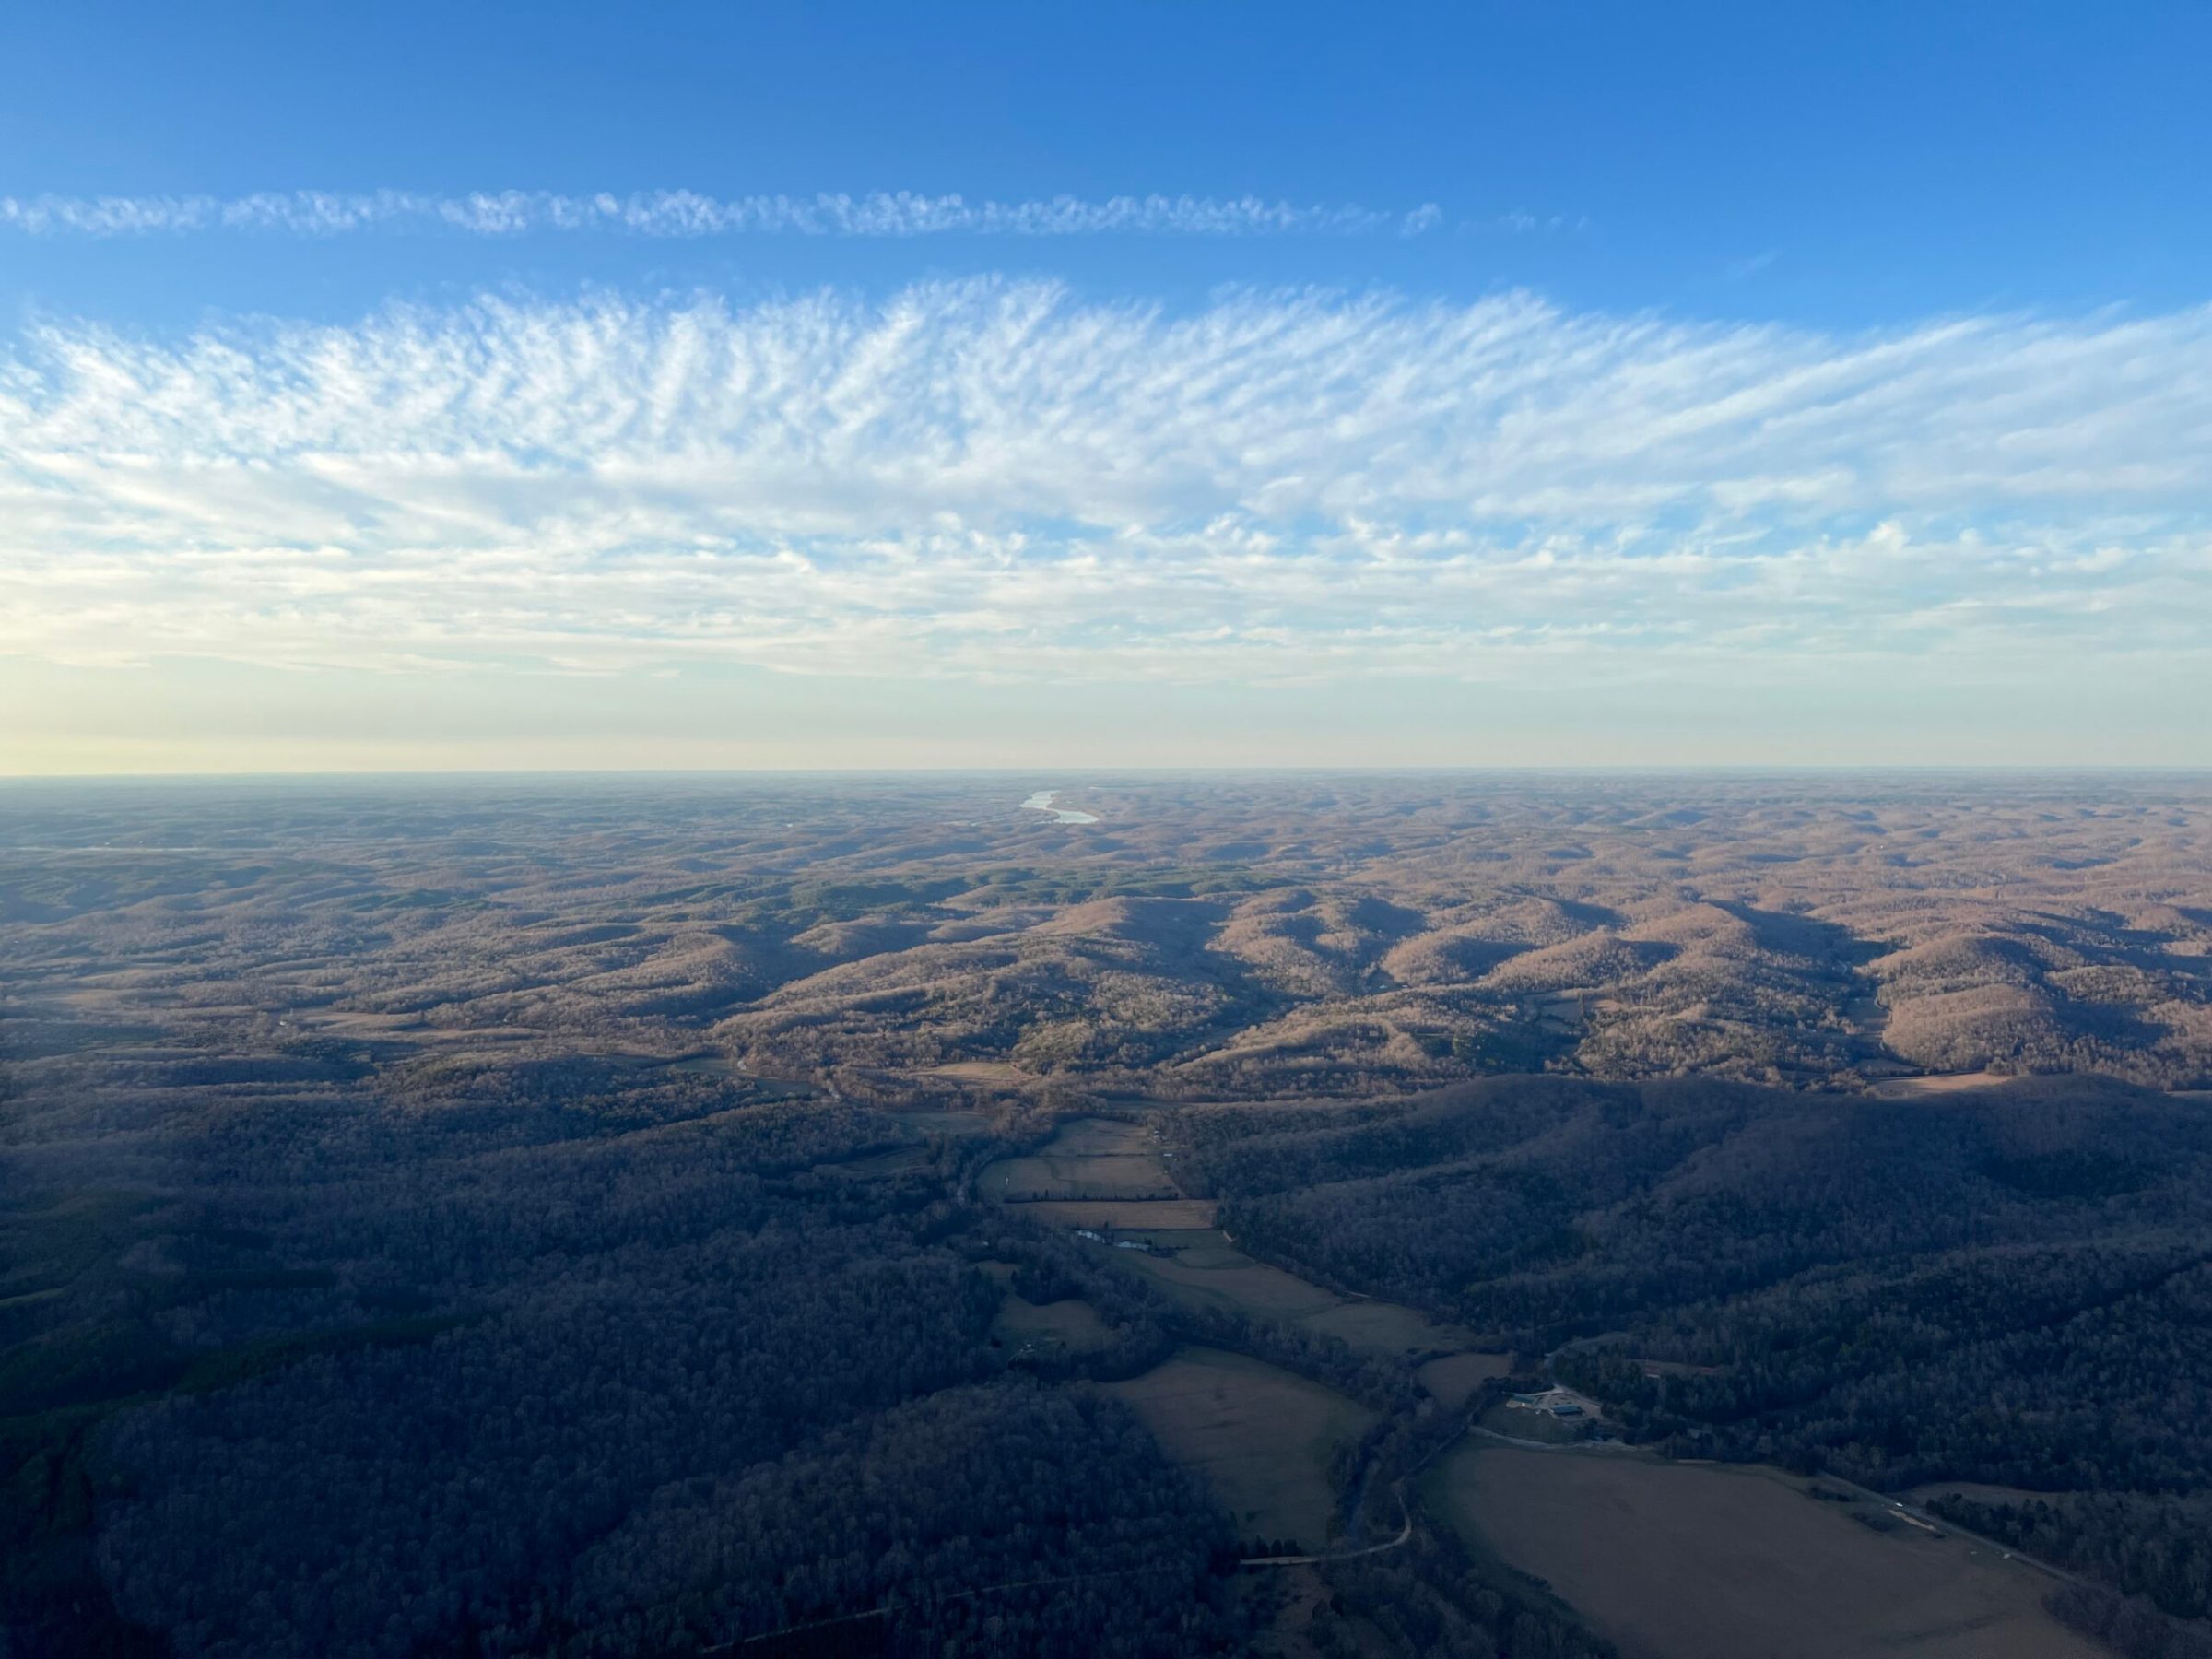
<point>608,1216</point>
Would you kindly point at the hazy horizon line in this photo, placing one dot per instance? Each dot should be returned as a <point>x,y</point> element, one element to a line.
<point>1614,768</point>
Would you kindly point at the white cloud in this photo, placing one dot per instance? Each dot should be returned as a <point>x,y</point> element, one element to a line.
<point>683,213</point>
<point>997,478</point>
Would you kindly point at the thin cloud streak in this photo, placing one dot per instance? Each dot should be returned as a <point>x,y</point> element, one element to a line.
<point>688,214</point>
<point>995,479</point>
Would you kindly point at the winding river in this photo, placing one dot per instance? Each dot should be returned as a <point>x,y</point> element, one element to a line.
<point>1043,802</point>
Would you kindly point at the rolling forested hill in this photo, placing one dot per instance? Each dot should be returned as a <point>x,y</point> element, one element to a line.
<point>555,1217</point>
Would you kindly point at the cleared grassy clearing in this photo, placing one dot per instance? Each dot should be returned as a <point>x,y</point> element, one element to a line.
<point>1208,1250</point>
<point>1097,1172</point>
<point>1262,1437</point>
<point>1387,1328</point>
<point>1173,1215</point>
<point>1943,1083</point>
<point>1222,1277</point>
<point>1706,1561</point>
<point>1098,1166</point>
<point>998,1074</point>
<point>1211,1272</point>
<point>1105,1137</point>
<point>1072,1326</point>
<point>875,1166</point>
<point>1089,1158</point>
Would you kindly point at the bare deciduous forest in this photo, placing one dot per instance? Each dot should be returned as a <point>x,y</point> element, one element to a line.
<point>580,1216</point>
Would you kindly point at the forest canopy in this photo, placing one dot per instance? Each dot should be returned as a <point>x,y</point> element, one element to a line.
<point>557,1216</point>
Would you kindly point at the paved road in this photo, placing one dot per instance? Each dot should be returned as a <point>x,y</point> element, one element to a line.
<point>1404,1532</point>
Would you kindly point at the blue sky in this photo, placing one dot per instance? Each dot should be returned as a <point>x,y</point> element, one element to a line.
<point>1117,385</point>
